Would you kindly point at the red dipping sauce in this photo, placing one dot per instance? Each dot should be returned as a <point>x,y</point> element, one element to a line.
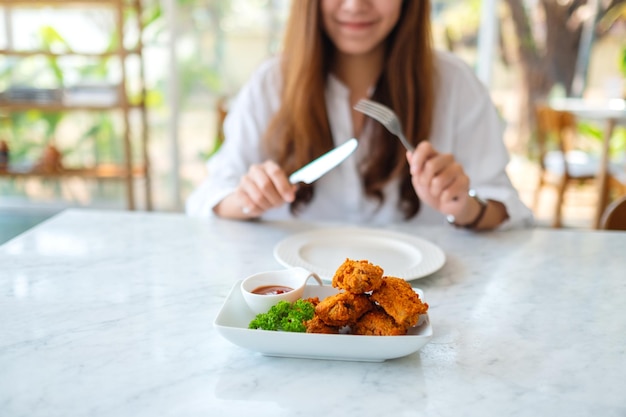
<point>271,290</point>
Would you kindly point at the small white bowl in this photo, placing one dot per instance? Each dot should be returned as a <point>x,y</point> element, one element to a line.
<point>295,278</point>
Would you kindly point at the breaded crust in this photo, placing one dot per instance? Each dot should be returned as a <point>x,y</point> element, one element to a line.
<point>315,325</point>
<point>398,299</point>
<point>343,309</point>
<point>378,323</point>
<point>313,300</point>
<point>358,277</point>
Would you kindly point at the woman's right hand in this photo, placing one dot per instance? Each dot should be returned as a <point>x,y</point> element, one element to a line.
<point>263,187</point>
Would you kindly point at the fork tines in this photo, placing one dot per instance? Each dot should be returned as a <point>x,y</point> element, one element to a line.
<point>375,110</point>
<point>373,107</point>
<point>385,116</point>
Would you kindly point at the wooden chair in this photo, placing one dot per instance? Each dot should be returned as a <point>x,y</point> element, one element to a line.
<point>221,111</point>
<point>614,217</point>
<point>566,163</point>
<point>617,177</point>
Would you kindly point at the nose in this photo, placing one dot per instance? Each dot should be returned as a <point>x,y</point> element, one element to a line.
<point>354,4</point>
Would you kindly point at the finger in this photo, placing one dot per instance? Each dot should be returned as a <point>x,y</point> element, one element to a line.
<point>247,205</point>
<point>420,156</point>
<point>456,191</point>
<point>410,158</point>
<point>248,186</point>
<point>441,182</point>
<point>280,181</point>
<point>264,183</point>
<point>447,171</point>
<point>435,165</point>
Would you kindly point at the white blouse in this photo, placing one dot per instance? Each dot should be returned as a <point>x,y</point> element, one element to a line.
<point>466,125</point>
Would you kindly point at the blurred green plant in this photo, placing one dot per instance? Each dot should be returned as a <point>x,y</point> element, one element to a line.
<point>28,132</point>
<point>203,40</point>
<point>617,145</point>
<point>461,21</point>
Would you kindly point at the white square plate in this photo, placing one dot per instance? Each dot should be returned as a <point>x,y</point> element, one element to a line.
<point>234,316</point>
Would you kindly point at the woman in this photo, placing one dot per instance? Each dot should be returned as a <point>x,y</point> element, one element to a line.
<point>300,105</point>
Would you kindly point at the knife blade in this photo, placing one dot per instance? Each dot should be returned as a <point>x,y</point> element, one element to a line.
<point>320,166</point>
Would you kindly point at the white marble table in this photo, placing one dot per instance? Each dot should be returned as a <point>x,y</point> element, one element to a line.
<point>110,314</point>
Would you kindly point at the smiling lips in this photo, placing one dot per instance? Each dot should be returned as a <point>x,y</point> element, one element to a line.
<point>356,25</point>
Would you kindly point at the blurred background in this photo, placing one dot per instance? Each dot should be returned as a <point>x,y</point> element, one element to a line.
<point>117,104</point>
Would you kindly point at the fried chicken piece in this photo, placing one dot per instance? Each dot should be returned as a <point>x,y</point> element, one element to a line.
<point>343,309</point>
<point>398,299</point>
<point>378,323</point>
<point>316,325</point>
<point>358,277</point>
<point>313,300</point>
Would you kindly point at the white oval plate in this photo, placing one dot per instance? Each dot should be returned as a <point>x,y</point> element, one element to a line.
<point>324,250</point>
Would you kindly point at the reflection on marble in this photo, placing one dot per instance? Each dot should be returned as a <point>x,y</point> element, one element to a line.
<point>110,314</point>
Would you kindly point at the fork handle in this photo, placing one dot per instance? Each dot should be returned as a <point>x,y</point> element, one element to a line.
<point>406,143</point>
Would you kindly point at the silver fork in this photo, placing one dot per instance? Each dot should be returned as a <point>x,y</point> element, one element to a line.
<point>385,116</point>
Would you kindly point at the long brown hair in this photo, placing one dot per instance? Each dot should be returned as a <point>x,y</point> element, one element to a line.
<point>300,131</point>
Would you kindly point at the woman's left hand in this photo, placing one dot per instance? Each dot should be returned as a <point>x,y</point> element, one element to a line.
<point>440,181</point>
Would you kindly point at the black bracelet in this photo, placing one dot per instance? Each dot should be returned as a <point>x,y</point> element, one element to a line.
<point>483,209</point>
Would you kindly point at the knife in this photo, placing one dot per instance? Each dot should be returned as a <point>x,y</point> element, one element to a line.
<point>320,166</point>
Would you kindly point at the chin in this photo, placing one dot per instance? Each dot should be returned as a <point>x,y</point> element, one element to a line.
<point>356,48</point>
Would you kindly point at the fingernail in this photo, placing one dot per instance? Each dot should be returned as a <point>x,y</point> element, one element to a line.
<point>245,210</point>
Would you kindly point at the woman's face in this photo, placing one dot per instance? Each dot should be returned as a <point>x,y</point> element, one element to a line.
<point>358,27</point>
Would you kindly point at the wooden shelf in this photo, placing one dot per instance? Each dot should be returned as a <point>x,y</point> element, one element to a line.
<point>126,170</point>
<point>99,172</point>
<point>62,3</point>
<point>52,107</point>
<point>26,54</point>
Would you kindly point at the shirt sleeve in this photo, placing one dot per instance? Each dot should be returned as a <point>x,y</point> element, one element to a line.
<point>467,116</point>
<point>244,126</point>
